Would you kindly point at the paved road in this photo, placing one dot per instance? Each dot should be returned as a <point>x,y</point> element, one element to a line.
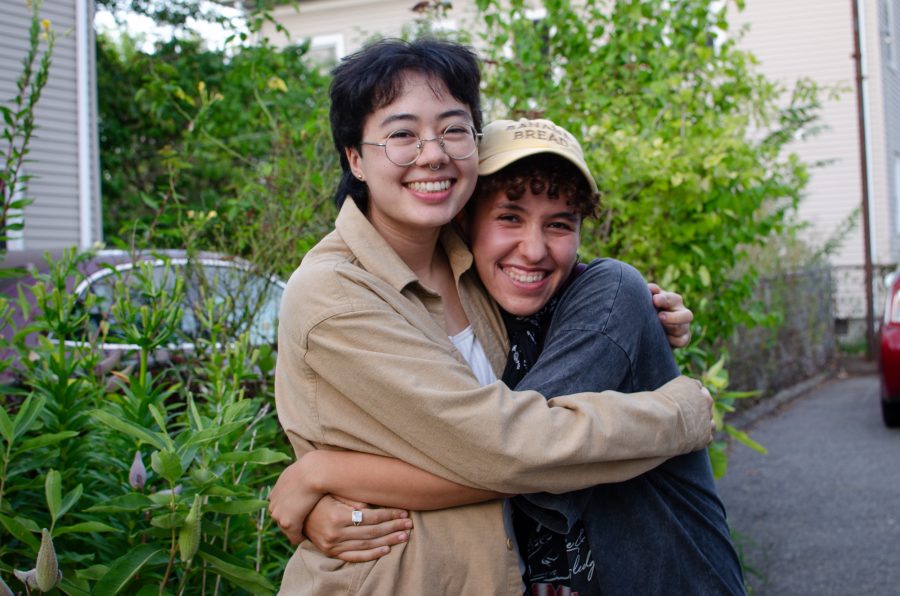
<point>820,514</point>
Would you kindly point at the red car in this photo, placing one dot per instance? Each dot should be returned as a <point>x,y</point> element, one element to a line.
<point>889,360</point>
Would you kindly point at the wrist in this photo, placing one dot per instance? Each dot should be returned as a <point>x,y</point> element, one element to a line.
<point>312,472</point>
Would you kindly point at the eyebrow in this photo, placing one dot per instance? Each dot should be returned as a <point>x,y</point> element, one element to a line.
<point>514,206</point>
<point>405,117</point>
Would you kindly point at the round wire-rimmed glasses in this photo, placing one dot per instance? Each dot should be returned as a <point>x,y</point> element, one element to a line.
<point>403,147</point>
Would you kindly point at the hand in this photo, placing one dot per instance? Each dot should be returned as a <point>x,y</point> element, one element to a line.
<point>291,500</point>
<point>329,528</point>
<point>674,316</point>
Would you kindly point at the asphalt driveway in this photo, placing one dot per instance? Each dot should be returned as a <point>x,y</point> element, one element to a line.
<point>820,514</point>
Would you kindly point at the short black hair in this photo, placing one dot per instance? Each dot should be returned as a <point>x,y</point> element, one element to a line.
<point>542,172</point>
<point>373,77</point>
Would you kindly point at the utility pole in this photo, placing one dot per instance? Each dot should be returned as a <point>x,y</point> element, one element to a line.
<point>864,178</point>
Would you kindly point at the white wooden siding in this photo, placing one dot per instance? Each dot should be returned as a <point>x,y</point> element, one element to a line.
<point>356,21</point>
<point>52,220</point>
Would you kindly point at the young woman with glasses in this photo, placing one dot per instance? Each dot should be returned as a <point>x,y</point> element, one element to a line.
<point>387,338</point>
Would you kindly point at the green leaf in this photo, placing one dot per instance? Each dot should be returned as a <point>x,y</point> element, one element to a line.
<point>158,417</point>
<point>125,568</point>
<point>745,439</point>
<point>70,499</point>
<point>237,507</point>
<point>232,570</point>
<point>129,428</point>
<point>67,586</point>
<point>124,503</point>
<point>84,527</point>
<point>18,529</point>
<point>167,521</point>
<point>705,277</point>
<point>45,440</point>
<point>6,426</point>
<point>264,456</point>
<point>718,458</point>
<point>28,413</point>
<point>93,573</point>
<point>167,464</point>
<point>213,434</point>
<point>53,491</point>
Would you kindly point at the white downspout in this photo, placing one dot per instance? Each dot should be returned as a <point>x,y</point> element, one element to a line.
<point>82,80</point>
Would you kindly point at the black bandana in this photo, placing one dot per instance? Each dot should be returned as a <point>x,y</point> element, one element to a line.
<point>526,340</point>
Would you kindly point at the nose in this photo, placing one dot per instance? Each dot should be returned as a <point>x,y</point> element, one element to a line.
<point>431,152</point>
<point>532,246</point>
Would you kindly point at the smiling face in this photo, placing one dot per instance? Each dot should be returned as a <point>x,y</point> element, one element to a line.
<point>524,249</point>
<point>408,201</point>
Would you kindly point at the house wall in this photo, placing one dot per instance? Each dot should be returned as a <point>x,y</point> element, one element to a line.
<point>889,44</point>
<point>814,39</point>
<point>54,219</point>
<point>351,22</point>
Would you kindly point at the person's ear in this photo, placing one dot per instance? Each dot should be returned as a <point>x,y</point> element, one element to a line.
<point>354,158</point>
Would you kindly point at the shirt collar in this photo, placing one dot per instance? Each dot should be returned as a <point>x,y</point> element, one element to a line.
<point>376,255</point>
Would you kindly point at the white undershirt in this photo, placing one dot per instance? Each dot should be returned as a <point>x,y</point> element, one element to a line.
<point>471,349</point>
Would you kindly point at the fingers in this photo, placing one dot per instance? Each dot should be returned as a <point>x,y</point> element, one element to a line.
<point>330,527</point>
<point>678,335</point>
<point>367,533</point>
<point>373,517</point>
<point>681,316</point>
<point>654,289</point>
<point>376,542</point>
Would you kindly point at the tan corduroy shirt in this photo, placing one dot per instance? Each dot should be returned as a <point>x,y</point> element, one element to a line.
<point>365,364</point>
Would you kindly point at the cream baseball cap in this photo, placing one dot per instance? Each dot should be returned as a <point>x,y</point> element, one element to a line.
<point>506,141</point>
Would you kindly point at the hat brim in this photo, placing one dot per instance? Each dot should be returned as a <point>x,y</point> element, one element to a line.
<point>495,163</point>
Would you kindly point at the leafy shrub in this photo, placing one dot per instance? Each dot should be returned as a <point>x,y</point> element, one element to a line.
<point>144,477</point>
<point>187,132</point>
<point>687,141</point>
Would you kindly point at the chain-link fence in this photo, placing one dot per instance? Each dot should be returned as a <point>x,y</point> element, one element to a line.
<point>850,299</point>
<point>770,358</point>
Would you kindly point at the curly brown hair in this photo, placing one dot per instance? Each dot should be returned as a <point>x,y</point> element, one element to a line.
<point>544,172</point>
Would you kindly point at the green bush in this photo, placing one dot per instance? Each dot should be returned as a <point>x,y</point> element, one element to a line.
<point>154,478</point>
<point>215,151</point>
<point>688,142</point>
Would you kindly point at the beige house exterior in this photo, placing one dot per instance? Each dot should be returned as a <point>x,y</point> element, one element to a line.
<point>791,39</point>
<point>815,39</point>
<point>336,28</point>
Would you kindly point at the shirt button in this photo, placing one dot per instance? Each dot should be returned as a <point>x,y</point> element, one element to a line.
<point>509,544</point>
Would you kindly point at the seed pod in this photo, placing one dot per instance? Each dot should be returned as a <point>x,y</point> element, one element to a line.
<point>47,568</point>
<point>29,578</point>
<point>137,476</point>
<point>189,537</point>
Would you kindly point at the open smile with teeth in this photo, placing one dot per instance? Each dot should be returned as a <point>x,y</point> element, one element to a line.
<point>523,276</point>
<point>429,186</point>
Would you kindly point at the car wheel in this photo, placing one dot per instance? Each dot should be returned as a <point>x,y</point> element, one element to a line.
<point>890,412</point>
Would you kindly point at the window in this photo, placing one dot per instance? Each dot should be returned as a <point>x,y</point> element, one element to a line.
<point>326,50</point>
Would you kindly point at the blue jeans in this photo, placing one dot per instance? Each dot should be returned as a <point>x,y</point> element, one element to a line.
<point>665,531</point>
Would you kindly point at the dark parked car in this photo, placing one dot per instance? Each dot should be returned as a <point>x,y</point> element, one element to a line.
<point>889,356</point>
<point>252,299</point>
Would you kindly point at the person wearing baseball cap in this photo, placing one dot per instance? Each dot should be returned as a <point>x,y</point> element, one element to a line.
<point>590,327</point>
